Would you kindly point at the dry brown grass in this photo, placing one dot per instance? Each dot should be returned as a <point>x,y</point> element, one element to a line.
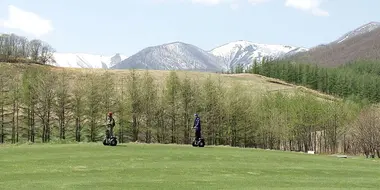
<point>255,84</point>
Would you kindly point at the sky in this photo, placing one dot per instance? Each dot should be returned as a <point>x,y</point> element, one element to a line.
<point>107,27</point>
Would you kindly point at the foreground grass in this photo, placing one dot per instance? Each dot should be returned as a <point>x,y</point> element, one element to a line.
<point>134,166</point>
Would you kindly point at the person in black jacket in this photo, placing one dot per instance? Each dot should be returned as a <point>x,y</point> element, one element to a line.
<point>197,127</point>
<point>110,124</point>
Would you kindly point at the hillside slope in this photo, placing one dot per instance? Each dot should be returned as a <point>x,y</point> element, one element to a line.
<point>362,43</point>
<point>359,31</point>
<point>255,84</point>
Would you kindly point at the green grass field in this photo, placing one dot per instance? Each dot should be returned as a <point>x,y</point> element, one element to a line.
<point>139,166</point>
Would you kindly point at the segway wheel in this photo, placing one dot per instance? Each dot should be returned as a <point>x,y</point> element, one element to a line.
<point>105,142</point>
<point>113,142</point>
<point>201,143</point>
<point>194,144</point>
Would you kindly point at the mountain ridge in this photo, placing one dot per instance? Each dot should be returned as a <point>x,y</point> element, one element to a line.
<point>365,28</point>
<point>179,55</point>
<point>186,56</point>
<point>361,43</point>
<point>244,53</point>
<point>174,55</point>
<point>86,60</point>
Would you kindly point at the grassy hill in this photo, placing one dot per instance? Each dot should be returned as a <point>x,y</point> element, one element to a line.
<point>140,166</point>
<point>253,83</point>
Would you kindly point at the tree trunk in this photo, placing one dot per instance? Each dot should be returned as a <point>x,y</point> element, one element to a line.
<point>17,117</point>
<point>134,128</point>
<point>2,135</point>
<point>14,123</point>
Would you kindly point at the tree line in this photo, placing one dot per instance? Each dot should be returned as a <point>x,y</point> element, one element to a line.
<point>358,81</point>
<point>41,104</point>
<point>18,49</point>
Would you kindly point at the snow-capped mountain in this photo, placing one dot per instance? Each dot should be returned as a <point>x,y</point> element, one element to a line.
<point>245,52</point>
<point>82,60</point>
<point>361,43</point>
<point>359,31</point>
<point>171,56</point>
<point>183,56</point>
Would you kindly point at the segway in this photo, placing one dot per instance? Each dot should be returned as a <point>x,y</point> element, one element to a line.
<point>109,140</point>
<point>199,143</point>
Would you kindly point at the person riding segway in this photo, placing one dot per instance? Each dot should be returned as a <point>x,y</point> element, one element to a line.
<point>198,141</point>
<point>110,139</point>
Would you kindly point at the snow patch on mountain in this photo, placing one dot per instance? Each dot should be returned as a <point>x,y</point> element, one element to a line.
<point>83,60</point>
<point>245,52</point>
<point>171,56</point>
<point>361,30</point>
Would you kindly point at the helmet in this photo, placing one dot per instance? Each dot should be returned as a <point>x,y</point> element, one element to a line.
<point>195,115</point>
<point>109,113</point>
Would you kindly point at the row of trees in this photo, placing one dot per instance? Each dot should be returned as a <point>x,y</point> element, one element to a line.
<point>18,49</point>
<point>357,81</point>
<point>40,105</point>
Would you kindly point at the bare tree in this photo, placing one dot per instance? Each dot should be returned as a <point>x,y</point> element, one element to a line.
<point>46,54</point>
<point>16,100</point>
<point>35,47</point>
<point>134,90</point>
<point>78,105</point>
<point>29,97</point>
<point>172,96</point>
<point>62,102</point>
<point>149,100</point>
<point>188,99</point>
<point>15,48</point>
<point>93,100</point>
<point>45,93</point>
<point>122,110</point>
<point>367,131</point>
<point>4,97</point>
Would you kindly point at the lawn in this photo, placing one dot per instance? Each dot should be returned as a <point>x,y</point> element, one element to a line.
<point>139,166</point>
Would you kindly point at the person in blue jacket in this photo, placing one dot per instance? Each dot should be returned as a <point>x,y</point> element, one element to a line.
<point>197,127</point>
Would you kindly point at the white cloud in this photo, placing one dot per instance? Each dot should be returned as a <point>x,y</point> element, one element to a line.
<point>255,2</point>
<point>211,2</point>
<point>234,4</point>
<point>312,6</point>
<point>26,21</point>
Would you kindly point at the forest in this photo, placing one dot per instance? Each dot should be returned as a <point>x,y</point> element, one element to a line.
<point>358,81</point>
<point>41,104</point>
<point>19,49</point>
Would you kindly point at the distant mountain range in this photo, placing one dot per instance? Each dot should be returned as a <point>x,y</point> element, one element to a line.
<point>184,56</point>
<point>362,43</point>
<point>244,53</point>
<point>359,31</point>
<point>81,60</point>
